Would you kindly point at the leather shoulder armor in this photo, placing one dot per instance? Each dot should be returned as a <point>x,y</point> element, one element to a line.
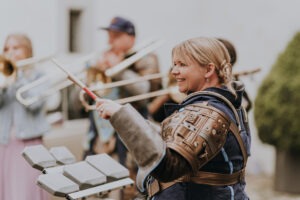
<point>197,132</point>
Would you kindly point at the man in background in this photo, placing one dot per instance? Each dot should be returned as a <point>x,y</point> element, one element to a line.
<point>121,39</point>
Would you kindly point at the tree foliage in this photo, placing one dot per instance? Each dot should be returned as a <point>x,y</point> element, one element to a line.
<point>277,105</point>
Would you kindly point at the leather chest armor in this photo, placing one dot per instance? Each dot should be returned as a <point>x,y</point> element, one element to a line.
<point>197,132</point>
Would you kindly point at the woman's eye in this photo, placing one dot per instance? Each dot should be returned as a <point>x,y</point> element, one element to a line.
<point>182,65</point>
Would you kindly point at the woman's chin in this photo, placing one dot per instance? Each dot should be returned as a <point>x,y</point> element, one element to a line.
<point>182,90</point>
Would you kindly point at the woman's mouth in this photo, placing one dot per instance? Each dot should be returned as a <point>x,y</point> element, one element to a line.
<point>180,79</point>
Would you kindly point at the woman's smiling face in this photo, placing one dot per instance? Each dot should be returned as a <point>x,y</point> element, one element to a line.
<point>190,76</point>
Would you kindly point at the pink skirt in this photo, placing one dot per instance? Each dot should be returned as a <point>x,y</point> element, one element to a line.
<point>17,178</point>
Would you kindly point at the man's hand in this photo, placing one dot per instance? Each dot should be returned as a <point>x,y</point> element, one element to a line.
<point>109,60</point>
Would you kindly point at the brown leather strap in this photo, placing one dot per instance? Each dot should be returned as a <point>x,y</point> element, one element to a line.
<point>235,130</point>
<point>206,178</point>
<point>217,179</point>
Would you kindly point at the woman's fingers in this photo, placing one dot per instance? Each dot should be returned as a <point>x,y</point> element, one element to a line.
<point>100,101</point>
<point>106,108</point>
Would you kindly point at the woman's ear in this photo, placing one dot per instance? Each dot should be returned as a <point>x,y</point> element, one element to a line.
<point>210,70</point>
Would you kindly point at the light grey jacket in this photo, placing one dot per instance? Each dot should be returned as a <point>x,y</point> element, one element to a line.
<point>29,122</point>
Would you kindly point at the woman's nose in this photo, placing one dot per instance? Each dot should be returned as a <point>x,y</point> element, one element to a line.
<point>175,70</point>
<point>8,54</point>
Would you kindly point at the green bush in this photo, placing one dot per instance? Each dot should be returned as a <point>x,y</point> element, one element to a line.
<point>277,105</point>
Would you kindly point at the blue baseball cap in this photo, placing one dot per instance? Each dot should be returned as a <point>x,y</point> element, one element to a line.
<point>120,24</point>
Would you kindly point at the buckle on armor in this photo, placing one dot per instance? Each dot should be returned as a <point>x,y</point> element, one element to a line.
<point>153,186</point>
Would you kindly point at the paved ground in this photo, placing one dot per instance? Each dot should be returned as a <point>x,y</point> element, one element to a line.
<point>260,187</point>
<point>260,171</point>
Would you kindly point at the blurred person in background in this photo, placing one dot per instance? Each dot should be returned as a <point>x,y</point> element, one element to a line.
<point>247,103</point>
<point>21,126</point>
<point>121,40</point>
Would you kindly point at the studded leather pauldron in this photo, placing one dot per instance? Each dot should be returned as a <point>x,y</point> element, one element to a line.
<point>197,132</point>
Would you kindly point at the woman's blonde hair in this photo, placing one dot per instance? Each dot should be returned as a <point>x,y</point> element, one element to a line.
<point>23,40</point>
<point>204,51</point>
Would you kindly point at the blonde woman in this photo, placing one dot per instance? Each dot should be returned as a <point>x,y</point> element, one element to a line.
<point>201,149</point>
<point>20,126</point>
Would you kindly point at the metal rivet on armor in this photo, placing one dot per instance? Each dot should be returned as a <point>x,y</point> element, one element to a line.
<point>224,125</point>
<point>196,144</point>
<point>214,131</point>
<point>220,121</point>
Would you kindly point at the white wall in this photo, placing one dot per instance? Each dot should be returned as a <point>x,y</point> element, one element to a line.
<point>35,18</point>
<point>259,29</point>
<point>45,22</point>
<point>62,24</point>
